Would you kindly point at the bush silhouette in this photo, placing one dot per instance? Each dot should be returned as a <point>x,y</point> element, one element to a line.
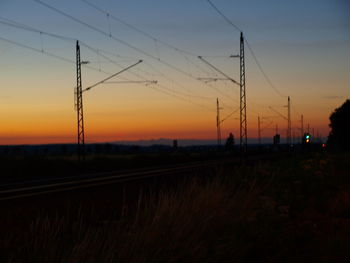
<point>339,137</point>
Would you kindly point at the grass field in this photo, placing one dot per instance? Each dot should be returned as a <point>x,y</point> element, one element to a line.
<point>295,209</point>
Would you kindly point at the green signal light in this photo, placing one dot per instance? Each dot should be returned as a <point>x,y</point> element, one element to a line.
<point>307,138</point>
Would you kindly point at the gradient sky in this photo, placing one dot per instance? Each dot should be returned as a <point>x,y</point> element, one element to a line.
<point>303,46</point>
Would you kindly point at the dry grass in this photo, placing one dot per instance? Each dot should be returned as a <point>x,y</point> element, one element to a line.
<point>191,224</point>
<point>265,213</point>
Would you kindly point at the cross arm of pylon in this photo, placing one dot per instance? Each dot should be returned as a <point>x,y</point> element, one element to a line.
<point>229,115</point>
<point>207,80</point>
<point>218,70</point>
<point>281,115</point>
<point>146,82</point>
<point>112,76</point>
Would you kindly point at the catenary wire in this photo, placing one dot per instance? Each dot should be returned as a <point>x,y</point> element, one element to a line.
<point>125,43</point>
<point>31,29</point>
<point>267,78</point>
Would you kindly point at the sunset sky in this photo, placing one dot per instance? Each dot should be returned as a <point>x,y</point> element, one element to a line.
<point>302,46</point>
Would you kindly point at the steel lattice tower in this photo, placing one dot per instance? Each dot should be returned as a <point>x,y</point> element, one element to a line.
<point>218,122</point>
<point>79,107</point>
<point>301,128</point>
<point>259,131</point>
<point>289,127</point>
<point>243,101</point>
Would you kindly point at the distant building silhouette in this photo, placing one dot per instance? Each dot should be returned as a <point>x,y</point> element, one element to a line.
<point>276,139</point>
<point>230,142</point>
<point>175,144</point>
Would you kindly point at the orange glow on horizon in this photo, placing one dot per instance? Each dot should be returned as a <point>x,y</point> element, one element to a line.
<point>42,134</point>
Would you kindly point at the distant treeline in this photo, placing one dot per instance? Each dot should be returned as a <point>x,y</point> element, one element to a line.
<point>111,149</point>
<point>98,148</point>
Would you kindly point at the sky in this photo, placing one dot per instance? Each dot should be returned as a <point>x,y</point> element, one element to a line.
<point>303,48</point>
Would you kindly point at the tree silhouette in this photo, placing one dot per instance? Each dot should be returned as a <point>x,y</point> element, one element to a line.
<point>339,137</point>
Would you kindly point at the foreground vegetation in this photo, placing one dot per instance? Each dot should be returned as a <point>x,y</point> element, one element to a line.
<point>286,211</point>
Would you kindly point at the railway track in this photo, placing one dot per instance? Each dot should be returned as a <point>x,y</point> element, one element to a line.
<point>42,187</point>
<point>46,186</point>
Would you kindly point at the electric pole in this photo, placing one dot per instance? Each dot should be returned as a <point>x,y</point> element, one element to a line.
<point>259,131</point>
<point>79,107</point>
<point>302,127</point>
<point>289,127</point>
<point>79,99</point>
<point>218,121</point>
<point>243,101</point>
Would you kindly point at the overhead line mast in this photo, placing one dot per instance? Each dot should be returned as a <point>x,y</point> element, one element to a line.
<point>301,128</point>
<point>243,100</point>
<point>259,131</point>
<point>79,106</point>
<point>218,122</point>
<point>218,70</point>
<point>289,122</point>
<point>121,41</point>
<point>135,48</point>
<point>79,99</point>
<point>289,131</point>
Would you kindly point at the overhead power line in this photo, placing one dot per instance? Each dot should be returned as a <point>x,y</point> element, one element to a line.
<point>11,23</point>
<point>15,24</point>
<point>263,72</point>
<point>167,44</point>
<point>100,52</point>
<point>138,29</point>
<point>268,80</point>
<point>218,70</point>
<point>112,76</point>
<point>42,51</point>
<point>111,36</point>
<point>132,82</point>
<point>114,38</point>
<point>225,95</point>
<point>38,50</point>
<point>150,36</point>
<point>223,16</point>
<point>141,77</point>
<point>73,62</point>
<point>229,115</point>
<point>181,96</point>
